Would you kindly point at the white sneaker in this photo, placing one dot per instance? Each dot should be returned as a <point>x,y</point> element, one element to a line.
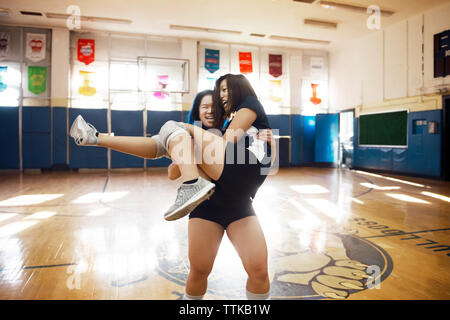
<point>83,133</point>
<point>189,197</point>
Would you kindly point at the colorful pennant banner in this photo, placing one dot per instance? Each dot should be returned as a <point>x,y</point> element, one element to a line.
<point>36,46</point>
<point>4,44</point>
<point>275,65</point>
<point>37,79</point>
<point>212,60</point>
<point>245,62</point>
<point>3,72</point>
<point>86,89</point>
<point>86,51</point>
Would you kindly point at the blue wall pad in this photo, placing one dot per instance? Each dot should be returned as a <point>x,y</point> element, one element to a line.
<point>282,122</point>
<point>9,134</point>
<point>88,157</point>
<point>308,139</point>
<point>36,137</point>
<point>59,135</point>
<point>296,129</point>
<point>155,120</point>
<point>126,123</point>
<point>327,131</point>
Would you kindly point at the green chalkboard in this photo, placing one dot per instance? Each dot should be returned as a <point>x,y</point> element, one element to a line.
<point>383,129</point>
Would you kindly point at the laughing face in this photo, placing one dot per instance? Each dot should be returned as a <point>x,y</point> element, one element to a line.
<point>224,96</point>
<point>205,111</point>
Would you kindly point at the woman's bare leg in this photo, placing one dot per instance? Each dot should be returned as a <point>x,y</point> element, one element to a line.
<point>138,146</point>
<point>204,240</point>
<point>247,237</point>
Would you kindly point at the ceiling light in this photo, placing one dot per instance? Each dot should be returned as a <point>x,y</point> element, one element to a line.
<point>313,41</point>
<point>4,12</point>
<point>51,15</point>
<point>31,13</point>
<point>351,7</point>
<point>320,23</point>
<point>201,29</point>
<point>260,35</point>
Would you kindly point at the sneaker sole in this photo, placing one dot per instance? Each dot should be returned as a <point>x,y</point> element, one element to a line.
<point>75,128</point>
<point>190,206</point>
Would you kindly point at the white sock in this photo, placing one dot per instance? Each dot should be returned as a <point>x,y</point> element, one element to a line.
<point>258,296</point>
<point>189,297</point>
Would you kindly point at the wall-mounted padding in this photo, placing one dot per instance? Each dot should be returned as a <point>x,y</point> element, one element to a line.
<point>88,156</point>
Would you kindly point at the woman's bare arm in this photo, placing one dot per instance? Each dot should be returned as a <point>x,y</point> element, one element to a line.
<point>242,121</point>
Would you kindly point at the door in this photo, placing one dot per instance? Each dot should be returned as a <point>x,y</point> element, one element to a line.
<point>346,138</point>
<point>326,144</point>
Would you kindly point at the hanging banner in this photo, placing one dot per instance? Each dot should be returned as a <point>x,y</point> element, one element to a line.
<point>37,79</point>
<point>315,99</point>
<point>163,81</point>
<point>86,89</point>
<point>36,47</point>
<point>3,71</point>
<point>86,51</point>
<point>276,90</point>
<point>212,60</point>
<point>245,62</point>
<point>275,65</point>
<point>4,44</point>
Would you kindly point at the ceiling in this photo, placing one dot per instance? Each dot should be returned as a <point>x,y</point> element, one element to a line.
<point>266,17</point>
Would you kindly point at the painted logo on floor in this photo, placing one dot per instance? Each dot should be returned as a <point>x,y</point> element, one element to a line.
<point>343,265</point>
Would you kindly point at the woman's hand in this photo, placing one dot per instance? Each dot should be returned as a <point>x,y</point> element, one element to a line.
<point>265,135</point>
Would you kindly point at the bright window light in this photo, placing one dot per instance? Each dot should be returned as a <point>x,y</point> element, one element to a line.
<point>374,186</point>
<point>357,201</point>
<point>404,197</point>
<point>405,182</point>
<point>15,227</point>
<point>26,200</point>
<point>41,215</point>
<point>309,189</point>
<point>435,195</point>
<point>6,216</point>
<point>97,212</point>
<point>100,196</point>
<point>390,179</point>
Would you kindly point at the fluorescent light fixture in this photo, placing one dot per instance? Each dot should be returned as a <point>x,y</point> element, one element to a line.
<point>320,23</point>
<point>351,7</point>
<point>312,41</point>
<point>201,29</point>
<point>259,35</point>
<point>4,12</point>
<point>52,15</point>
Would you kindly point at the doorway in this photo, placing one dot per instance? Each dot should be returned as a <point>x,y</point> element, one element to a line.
<point>346,138</point>
<point>446,138</point>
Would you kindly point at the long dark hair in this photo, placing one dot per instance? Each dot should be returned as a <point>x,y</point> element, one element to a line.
<point>194,114</point>
<point>239,88</point>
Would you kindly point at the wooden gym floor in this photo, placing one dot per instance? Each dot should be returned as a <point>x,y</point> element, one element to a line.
<point>331,233</point>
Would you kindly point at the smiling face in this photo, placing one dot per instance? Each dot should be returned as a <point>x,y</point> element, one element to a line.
<point>224,95</point>
<point>205,111</point>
